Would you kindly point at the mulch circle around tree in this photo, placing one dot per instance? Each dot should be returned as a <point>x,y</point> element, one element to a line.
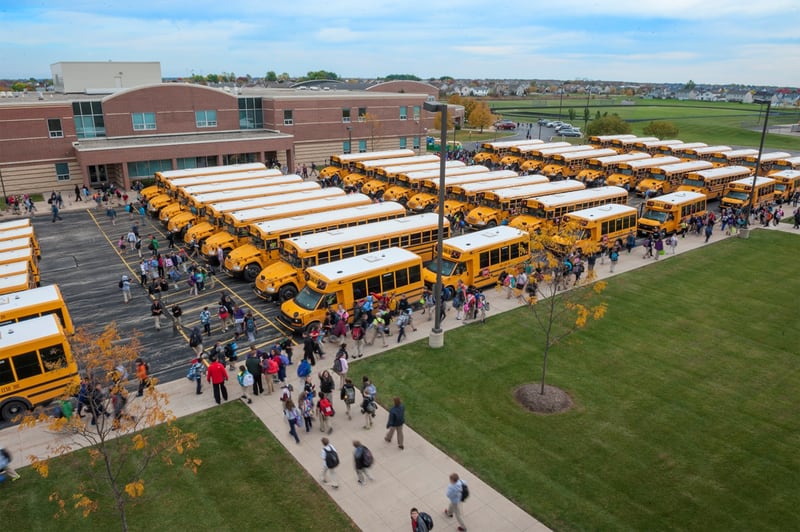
<point>553,401</point>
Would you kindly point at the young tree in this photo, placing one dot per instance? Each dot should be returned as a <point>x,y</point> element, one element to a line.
<point>119,453</point>
<point>559,307</point>
<point>374,128</point>
<point>481,116</point>
<point>571,114</point>
<point>271,76</point>
<point>608,125</point>
<point>661,129</point>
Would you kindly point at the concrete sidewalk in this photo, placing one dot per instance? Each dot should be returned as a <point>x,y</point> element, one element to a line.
<point>416,476</point>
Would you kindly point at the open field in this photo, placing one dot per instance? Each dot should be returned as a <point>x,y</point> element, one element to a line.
<point>711,122</point>
<point>686,397</point>
<point>247,482</point>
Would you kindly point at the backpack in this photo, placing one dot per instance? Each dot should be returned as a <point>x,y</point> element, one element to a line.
<point>366,457</point>
<point>427,519</point>
<point>464,491</point>
<point>331,458</point>
<point>337,365</point>
<point>370,406</point>
<point>247,379</point>
<point>326,407</point>
<point>120,283</point>
<point>304,369</point>
<point>358,332</point>
<point>195,339</point>
<point>350,394</point>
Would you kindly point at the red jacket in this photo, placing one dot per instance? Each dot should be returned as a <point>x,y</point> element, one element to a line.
<point>216,373</point>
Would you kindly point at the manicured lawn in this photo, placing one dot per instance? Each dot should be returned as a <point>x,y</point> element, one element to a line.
<point>714,123</point>
<point>247,482</point>
<point>687,398</point>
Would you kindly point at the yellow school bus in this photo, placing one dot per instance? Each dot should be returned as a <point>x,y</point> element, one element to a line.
<point>665,179</point>
<point>427,199</point>
<point>17,282</point>
<point>731,157</point>
<point>388,176</point>
<point>785,163</point>
<point>477,259</point>
<point>19,223</point>
<point>255,196</point>
<point>605,141</point>
<point>530,151</point>
<point>623,145</point>
<point>36,365</point>
<point>678,149</point>
<point>21,255</point>
<point>629,174</point>
<point>787,182</point>
<point>773,161</point>
<point>284,278</point>
<point>238,223</point>
<point>537,157</point>
<point>599,168</point>
<point>739,194</point>
<point>23,266</point>
<point>21,232</point>
<point>16,243</point>
<point>704,153</point>
<point>652,146</point>
<point>567,165</point>
<point>366,170</point>
<point>606,222</point>
<point>712,182</point>
<point>26,304</point>
<point>344,163</point>
<point>495,151</point>
<point>263,249</point>
<point>409,183</point>
<point>182,190</point>
<point>664,214</point>
<point>163,178</point>
<point>512,159</point>
<point>497,207</point>
<point>461,199</point>
<point>395,272</point>
<point>553,207</point>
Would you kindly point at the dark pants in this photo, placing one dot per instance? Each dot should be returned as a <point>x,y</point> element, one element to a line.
<point>307,421</point>
<point>207,328</point>
<point>220,388</point>
<point>258,384</point>
<point>199,386</point>
<point>293,429</point>
<point>142,384</point>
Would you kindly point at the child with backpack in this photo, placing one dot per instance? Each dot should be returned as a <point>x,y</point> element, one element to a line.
<point>363,459</point>
<point>324,412</point>
<point>348,394</point>
<point>245,379</point>
<point>306,403</point>
<point>293,416</point>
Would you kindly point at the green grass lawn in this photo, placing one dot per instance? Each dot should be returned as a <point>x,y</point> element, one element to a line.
<point>714,123</point>
<point>687,397</point>
<point>247,482</point>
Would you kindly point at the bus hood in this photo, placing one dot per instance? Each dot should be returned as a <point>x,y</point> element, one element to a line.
<point>479,216</point>
<point>169,211</point>
<point>420,202</point>
<point>241,257</point>
<point>221,238</point>
<point>274,276</point>
<point>395,194</point>
<point>525,223</point>
<point>199,232</point>
<point>180,220</point>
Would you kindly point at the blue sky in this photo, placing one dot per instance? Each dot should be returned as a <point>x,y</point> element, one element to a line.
<point>710,41</point>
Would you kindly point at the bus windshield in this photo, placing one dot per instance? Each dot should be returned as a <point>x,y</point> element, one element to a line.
<point>658,216</point>
<point>693,182</point>
<point>448,266</point>
<point>308,299</point>
<point>737,195</point>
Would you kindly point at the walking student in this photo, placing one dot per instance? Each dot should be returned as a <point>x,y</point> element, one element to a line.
<point>245,379</point>
<point>125,285</point>
<point>362,458</point>
<point>456,495</point>
<point>397,418</point>
<point>293,416</point>
<point>156,310</point>
<point>143,374</point>
<point>330,461</point>
<point>217,375</point>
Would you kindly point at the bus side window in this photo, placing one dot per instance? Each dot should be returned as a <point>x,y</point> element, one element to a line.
<point>6,375</point>
<point>460,268</point>
<point>330,301</point>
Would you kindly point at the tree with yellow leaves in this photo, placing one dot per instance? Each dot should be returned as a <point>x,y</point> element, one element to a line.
<point>119,453</point>
<point>481,116</point>
<point>560,308</point>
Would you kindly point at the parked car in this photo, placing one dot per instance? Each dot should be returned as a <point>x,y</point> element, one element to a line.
<point>564,126</point>
<point>569,132</point>
<point>505,124</point>
<point>543,121</point>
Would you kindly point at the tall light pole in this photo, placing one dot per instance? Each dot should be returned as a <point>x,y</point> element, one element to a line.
<point>560,101</point>
<point>586,111</point>
<point>436,339</point>
<point>751,203</point>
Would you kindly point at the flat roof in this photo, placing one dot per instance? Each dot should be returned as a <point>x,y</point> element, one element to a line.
<point>407,168</point>
<point>532,190</point>
<point>366,232</point>
<point>16,254</point>
<point>197,180</point>
<point>459,170</point>
<point>484,238</point>
<point>25,298</point>
<point>349,200</point>
<point>507,182</point>
<point>290,222</point>
<point>15,243</point>
<point>652,162</point>
<point>578,195</point>
<point>721,170</point>
<point>791,174</point>
<point>602,211</point>
<point>691,166</point>
<point>146,141</point>
<point>267,202</point>
<point>354,266</point>
<point>25,331</point>
<point>14,224</point>
<point>10,281</point>
<point>19,232</point>
<point>760,180</point>
<point>463,179</point>
<point>245,182</point>
<point>14,268</point>
<point>678,197</point>
<point>212,170</point>
<point>258,192</point>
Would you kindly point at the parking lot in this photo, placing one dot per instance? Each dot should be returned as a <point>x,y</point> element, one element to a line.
<point>80,255</point>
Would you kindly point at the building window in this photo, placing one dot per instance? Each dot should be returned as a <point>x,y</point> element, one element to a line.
<point>346,115</point>
<point>239,158</point>
<point>202,161</point>
<point>346,147</point>
<point>362,146</point>
<point>362,114</point>
<point>416,143</point>
<point>205,118</point>
<point>54,127</point>
<point>62,171</point>
<point>403,142</point>
<point>143,121</point>
<point>250,113</point>
<point>89,121</point>
<point>148,168</point>
<point>403,112</point>
<point>288,117</point>
<point>416,113</point>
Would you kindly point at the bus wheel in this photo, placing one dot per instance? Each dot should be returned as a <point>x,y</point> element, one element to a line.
<point>12,409</point>
<point>287,292</point>
<point>311,326</point>
<point>251,271</point>
<point>491,224</point>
